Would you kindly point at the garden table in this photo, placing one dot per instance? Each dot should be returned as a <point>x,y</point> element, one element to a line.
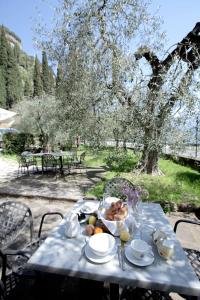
<point>60,255</point>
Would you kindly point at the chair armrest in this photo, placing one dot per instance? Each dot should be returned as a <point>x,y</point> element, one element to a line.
<point>42,221</point>
<point>4,254</point>
<point>14,252</point>
<point>184,221</point>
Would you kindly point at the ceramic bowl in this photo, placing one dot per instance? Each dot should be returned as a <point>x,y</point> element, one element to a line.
<point>113,226</point>
<point>101,244</point>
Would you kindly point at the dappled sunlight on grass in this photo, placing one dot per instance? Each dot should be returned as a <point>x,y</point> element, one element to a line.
<point>9,156</point>
<point>179,183</point>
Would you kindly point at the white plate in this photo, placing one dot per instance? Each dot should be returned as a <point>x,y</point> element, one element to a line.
<point>99,259</point>
<point>89,207</point>
<point>145,261</point>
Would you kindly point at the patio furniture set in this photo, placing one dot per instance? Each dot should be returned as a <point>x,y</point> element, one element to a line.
<point>61,255</point>
<point>49,161</point>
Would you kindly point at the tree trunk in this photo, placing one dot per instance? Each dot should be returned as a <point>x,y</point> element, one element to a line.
<point>117,144</point>
<point>188,50</point>
<point>124,145</point>
<point>150,153</point>
<point>149,162</point>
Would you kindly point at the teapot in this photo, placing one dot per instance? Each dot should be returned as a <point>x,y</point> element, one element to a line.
<point>72,225</point>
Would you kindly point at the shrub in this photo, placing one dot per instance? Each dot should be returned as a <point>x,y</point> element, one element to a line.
<point>120,161</point>
<point>14,142</point>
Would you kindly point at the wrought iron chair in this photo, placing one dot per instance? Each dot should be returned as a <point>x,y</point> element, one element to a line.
<point>14,218</point>
<point>67,162</point>
<point>25,162</point>
<point>77,163</point>
<point>192,254</point>
<point>115,186</point>
<point>49,163</point>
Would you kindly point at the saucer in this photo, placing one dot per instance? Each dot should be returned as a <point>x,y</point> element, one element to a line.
<point>99,259</point>
<point>143,262</point>
<point>89,207</point>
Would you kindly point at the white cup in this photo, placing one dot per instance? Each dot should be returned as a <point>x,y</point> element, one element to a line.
<point>140,248</point>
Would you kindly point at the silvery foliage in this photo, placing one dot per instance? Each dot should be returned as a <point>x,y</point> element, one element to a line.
<point>37,116</point>
<point>155,111</point>
<point>94,41</point>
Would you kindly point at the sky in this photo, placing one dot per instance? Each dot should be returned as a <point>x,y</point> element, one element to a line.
<point>179,17</point>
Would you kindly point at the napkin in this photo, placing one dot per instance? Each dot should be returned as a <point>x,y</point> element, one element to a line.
<point>72,226</point>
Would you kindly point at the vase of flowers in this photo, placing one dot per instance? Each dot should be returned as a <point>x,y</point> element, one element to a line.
<point>134,208</point>
<point>133,197</point>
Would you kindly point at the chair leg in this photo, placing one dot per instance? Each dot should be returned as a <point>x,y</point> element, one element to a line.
<point>18,171</point>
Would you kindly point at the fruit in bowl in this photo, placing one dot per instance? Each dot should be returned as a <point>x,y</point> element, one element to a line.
<point>117,211</point>
<point>114,217</point>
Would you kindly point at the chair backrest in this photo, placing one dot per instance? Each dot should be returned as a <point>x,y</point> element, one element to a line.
<point>49,160</point>
<point>14,217</point>
<point>22,161</point>
<point>115,187</point>
<point>192,254</point>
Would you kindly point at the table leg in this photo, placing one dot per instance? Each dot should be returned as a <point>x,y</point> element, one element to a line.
<point>61,166</point>
<point>114,291</point>
<point>42,160</point>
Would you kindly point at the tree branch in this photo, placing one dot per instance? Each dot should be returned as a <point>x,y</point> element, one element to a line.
<point>149,55</point>
<point>192,40</point>
<point>102,6</point>
<point>188,50</point>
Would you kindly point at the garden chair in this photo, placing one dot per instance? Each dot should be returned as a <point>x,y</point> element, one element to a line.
<point>115,186</point>
<point>67,162</point>
<point>25,162</point>
<point>15,217</point>
<point>192,254</point>
<point>78,161</point>
<point>50,163</point>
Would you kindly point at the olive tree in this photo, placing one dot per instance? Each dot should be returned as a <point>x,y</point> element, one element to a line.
<point>39,116</point>
<point>93,41</point>
<point>172,82</point>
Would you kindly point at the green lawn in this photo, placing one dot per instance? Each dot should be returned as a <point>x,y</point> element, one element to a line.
<point>178,184</point>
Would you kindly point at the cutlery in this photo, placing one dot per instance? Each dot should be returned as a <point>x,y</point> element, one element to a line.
<point>119,255</point>
<point>83,249</point>
<point>122,255</point>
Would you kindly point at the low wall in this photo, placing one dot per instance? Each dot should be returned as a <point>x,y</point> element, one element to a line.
<point>182,160</point>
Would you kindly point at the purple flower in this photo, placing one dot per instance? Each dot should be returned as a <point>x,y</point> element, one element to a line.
<point>133,196</point>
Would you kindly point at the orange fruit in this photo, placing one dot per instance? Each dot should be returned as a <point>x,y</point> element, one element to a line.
<point>98,230</point>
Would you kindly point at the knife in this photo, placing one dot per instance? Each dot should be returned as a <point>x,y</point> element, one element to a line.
<point>119,256</point>
<point>122,256</point>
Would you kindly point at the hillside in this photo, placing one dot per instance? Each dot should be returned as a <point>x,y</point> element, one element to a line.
<point>16,69</point>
